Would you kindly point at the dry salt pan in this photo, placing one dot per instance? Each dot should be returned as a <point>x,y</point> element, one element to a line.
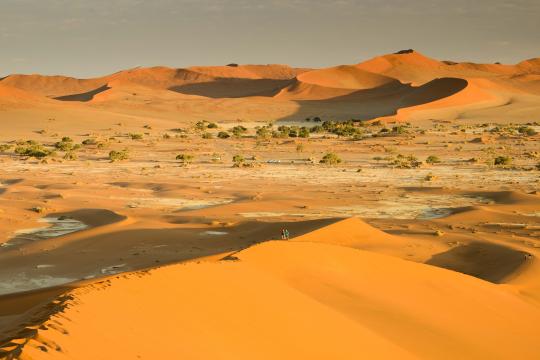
<point>21,282</point>
<point>211,232</point>
<point>56,226</point>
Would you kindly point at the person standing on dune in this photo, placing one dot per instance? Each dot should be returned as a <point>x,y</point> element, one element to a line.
<point>282,234</point>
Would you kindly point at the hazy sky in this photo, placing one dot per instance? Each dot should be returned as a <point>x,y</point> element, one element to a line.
<point>95,37</point>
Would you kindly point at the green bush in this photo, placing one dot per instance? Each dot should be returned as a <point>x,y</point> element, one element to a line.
<point>185,159</point>
<point>88,142</point>
<point>502,160</point>
<point>5,147</point>
<point>238,131</point>
<point>35,150</point>
<point>432,159</point>
<point>526,130</point>
<point>238,160</point>
<point>223,135</point>
<point>264,132</point>
<point>66,145</point>
<point>330,159</point>
<point>70,155</point>
<point>115,155</point>
<point>136,136</point>
<point>405,162</point>
<point>303,132</point>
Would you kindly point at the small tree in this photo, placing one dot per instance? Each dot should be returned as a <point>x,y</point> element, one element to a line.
<point>115,155</point>
<point>330,159</point>
<point>223,135</point>
<point>136,136</point>
<point>303,132</point>
<point>502,160</point>
<point>185,159</point>
<point>238,160</point>
<point>432,159</point>
<point>264,133</point>
<point>238,131</point>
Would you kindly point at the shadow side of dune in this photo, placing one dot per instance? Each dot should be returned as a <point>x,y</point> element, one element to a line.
<point>385,100</point>
<point>233,88</point>
<point>83,97</point>
<point>483,260</point>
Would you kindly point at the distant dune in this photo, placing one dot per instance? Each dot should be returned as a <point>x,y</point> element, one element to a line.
<point>399,86</point>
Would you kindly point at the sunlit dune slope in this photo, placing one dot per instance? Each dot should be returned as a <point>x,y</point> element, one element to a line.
<point>291,300</point>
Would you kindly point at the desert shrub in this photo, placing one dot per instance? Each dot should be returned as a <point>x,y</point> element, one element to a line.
<point>201,125</point>
<point>526,130</point>
<point>67,139</point>
<point>166,136</point>
<point>538,166</point>
<point>502,160</point>
<point>117,155</point>
<point>34,150</point>
<point>136,136</point>
<point>317,129</point>
<point>147,127</point>
<point>89,142</point>
<point>405,162</point>
<point>432,159</point>
<point>223,135</point>
<point>70,155</point>
<point>5,147</point>
<point>66,145</point>
<point>303,132</point>
<point>399,130</point>
<point>330,159</point>
<point>185,159</point>
<point>300,148</point>
<point>212,126</point>
<point>238,131</point>
<point>207,135</point>
<point>238,160</point>
<point>264,132</point>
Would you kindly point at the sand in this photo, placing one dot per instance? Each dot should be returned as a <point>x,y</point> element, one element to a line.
<point>153,258</point>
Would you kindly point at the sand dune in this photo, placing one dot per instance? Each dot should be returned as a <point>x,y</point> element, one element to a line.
<point>379,87</point>
<point>319,302</point>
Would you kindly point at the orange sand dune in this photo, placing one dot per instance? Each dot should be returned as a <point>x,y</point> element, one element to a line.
<point>479,93</point>
<point>409,67</point>
<point>277,72</point>
<point>407,85</point>
<point>12,97</point>
<point>344,77</point>
<point>291,300</point>
<point>52,86</point>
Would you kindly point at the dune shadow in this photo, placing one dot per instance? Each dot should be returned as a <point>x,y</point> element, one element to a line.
<point>83,97</point>
<point>381,101</point>
<point>487,261</point>
<point>233,88</point>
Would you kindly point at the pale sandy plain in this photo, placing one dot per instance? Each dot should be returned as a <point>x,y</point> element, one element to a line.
<point>148,258</point>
